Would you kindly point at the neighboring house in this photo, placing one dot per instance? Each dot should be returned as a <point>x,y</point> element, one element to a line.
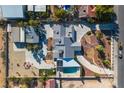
<point>11,11</point>
<point>86,11</point>
<point>24,35</point>
<point>51,83</point>
<point>36,8</point>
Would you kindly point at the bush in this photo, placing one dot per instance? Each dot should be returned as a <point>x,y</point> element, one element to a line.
<point>89,33</point>
<point>106,62</point>
<point>3,55</point>
<point>60,13</point>
<point>32,47</point>
<point>48,72</point>
<point>100,48</point>
<point>99,35</point>
<point>104,13</point>
<point>91,20</point>
<point>96,75</point>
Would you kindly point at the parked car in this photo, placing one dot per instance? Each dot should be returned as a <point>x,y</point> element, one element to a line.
<point>120,45</point>
<point>120,54</point>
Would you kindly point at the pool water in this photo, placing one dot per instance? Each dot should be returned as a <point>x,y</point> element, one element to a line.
<point>70,69</point>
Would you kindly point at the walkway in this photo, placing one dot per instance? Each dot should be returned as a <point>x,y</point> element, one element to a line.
<point>49,31</point>
<point>92,67</point>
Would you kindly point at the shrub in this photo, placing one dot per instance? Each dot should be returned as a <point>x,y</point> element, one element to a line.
<point>60,13</point>
<point>104,13</point>
<point>91,20</point>
<point>89,33</point>
<point>100,48</point>
<point>96,75</point>
<point>106,62</point>
<point>99,35</point>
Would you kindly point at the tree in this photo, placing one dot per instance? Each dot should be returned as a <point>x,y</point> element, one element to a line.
<point>31,22</point>
<point>33,47</point>
<point>100,48</point>
<point>60,13</point>
<point>106,62</point>
<point>26,81</point>
<point>20,23</point>
<point>43,79</point>
<point>104,12</point>
<point>99,35</point>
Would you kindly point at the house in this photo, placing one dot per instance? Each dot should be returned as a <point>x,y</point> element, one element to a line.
<point>50,83</point>
<point>86,11</point>
<point>11,11</point>
<point>63,38</point>
<point>36,8</point>
<point>24,35</point>
<point>64,49</point>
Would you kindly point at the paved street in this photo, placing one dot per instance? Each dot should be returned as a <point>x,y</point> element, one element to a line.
<point>120,64</point>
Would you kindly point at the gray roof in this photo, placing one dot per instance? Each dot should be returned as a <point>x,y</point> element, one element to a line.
<point>16,34</point>
<point>59,31</point>
<point>64,36</point>
<point>31,36</point>
<point>12,11</point>
<point>37,8</point>
<point>82,11</point>
<point>67,49</point>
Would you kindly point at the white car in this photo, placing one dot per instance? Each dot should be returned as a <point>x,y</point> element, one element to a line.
<point>120,54</point>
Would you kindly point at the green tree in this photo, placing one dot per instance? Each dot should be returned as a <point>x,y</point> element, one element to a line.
<point>31,22</point>
<point>20,23</point>
<point>60,13</point>
<point>99,35</point>
<point>100,48</point>
<point>104,12</point>
<point>43,79</point>
<point>106,62</point>
<point>32,47</point>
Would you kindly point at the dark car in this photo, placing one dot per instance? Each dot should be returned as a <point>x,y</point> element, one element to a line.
<point>120,54</point>
<point>120,46</point>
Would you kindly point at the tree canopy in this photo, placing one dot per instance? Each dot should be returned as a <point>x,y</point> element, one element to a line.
<point>104,12</point>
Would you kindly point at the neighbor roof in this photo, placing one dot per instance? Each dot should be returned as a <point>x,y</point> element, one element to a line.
<point>12,11</point>
<point>41,8</point>
<point>37,8</point>
<point>18,34</point>
<point>31,36</point>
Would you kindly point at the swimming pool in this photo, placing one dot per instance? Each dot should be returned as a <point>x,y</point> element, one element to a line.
<point>70,69</point>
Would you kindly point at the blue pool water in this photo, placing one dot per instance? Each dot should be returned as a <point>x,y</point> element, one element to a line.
<point>70,69</point>
<point>67,59</point>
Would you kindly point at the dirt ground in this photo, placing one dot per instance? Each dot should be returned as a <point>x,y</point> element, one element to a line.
<point>103,83</point>
<point>1,61</point>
